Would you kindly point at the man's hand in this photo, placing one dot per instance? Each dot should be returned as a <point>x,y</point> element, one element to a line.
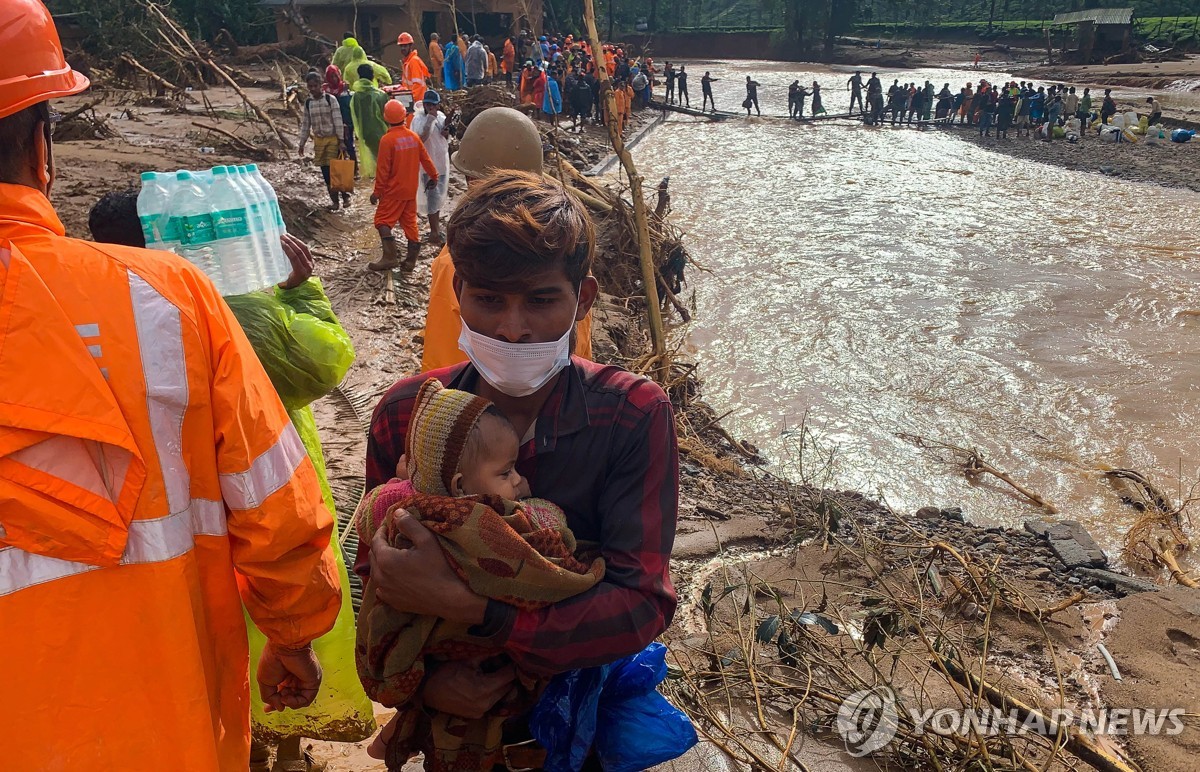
<point>431,183</point>
<point>462,689</point>
<point>301,259</point>
<point>342,147</point>
<point>300,153</point>
<point>288,678</point>
<point>418,579</point>
<point>374,199</point>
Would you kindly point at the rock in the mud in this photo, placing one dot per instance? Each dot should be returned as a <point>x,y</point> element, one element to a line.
<point>927,513</point>
<point>1041,574</point>
<point>955,514</point>
<point>1070,542</point>
<point>1126,585</point>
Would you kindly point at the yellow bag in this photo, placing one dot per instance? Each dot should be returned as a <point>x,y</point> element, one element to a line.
<point>341,175</point>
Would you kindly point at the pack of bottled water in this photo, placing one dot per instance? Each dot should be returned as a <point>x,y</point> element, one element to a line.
<point>226,221</point>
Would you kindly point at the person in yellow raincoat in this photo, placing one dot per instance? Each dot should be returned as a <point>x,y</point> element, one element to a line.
<point>305,353</point>
<point>349,55</point>
<point>366,112</point>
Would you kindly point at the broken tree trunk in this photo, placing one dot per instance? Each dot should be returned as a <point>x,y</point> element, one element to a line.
<point>1075,741</point>
<point>154,77</point>
<point>649,283</point>
<point>186,40</point>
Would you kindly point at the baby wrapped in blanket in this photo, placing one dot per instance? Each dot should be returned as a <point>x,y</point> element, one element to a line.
<point>461,454</point>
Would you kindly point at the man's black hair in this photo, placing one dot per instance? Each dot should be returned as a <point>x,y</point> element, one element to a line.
<point>114,219</point>
<point>366,71</point>
<point>17,137</point>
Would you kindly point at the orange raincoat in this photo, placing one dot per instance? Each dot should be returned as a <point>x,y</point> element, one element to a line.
<point>443,324</point>
<point>150,485</point>
<point>416,76</point>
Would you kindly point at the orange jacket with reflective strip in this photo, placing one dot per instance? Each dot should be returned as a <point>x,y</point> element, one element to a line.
<point>150,484</point>
<point>443,324</point>
<point>416,76</point>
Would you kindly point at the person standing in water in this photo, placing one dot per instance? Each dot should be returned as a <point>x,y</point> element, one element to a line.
<point>855,86</point>
<point>793,90</point>
<point>751,96</point>
<point>817,106</point>
<point>669,73</point>
<point>681,84</point>
<point>707,92</point>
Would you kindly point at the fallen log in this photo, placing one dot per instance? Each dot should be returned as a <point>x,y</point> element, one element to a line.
<point>186,40</point>
<point>154,77</point>
<point>1074,740</point>
<point>238,142</point>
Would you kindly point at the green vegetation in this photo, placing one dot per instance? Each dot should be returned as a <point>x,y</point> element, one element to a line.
<point>115,26</point>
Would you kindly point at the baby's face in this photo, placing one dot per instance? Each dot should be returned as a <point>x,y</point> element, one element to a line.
<point>493,470</point>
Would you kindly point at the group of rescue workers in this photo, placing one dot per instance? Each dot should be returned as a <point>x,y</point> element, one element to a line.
<point>163,505</point>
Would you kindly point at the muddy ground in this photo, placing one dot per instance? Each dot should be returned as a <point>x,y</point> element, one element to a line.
<point>734,519</point>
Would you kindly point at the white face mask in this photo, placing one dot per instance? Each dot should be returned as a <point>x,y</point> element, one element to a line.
<point>517,369</point>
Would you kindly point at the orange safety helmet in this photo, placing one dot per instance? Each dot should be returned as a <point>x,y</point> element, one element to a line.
<point>405,39</point>
<point>37,70</point>
<point>394,112</point>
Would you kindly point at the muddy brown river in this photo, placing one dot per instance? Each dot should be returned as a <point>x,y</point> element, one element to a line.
<point>865,283</point>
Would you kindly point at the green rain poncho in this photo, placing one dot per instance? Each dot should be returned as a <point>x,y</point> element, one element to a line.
<point>306,353</point>
<point>366,109</point>
<point>350,55</point>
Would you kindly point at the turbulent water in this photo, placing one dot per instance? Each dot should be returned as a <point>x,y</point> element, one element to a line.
<point>872,282</point>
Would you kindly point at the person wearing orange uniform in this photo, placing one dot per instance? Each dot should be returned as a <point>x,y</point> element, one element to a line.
<point>498,138</point>
<point>415,76</point>
<point>436,58</point>
<point>509,60</point>
<point>151,484</point>
<point>621,98</point>
<point>401,156</point>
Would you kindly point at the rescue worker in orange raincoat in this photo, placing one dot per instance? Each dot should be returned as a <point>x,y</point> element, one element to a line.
<point>401,156</point>
<point>415,76</point>
<point>498,138</point>
<point>436,58</point>
<point>150,484</point>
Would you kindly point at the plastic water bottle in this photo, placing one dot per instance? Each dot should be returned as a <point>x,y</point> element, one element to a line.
<point>152,206</point>
<point>254,203</point>
<point>254,222</point>
<point>235,248</point>
<point>278,263</point>
<point>190,209</point>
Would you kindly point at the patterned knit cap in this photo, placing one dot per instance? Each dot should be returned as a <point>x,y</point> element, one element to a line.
<point>441,422</point>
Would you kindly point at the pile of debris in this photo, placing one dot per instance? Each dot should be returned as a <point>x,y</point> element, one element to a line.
<point>83,123</point>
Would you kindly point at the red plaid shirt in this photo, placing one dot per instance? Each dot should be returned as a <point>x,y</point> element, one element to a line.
<point>604,450</point>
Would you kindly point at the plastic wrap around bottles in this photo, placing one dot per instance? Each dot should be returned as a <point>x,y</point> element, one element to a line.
<point>226,221</point>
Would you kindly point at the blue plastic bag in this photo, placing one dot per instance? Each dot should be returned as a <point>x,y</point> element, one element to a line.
<point>617,710</point>
<point>1182,135</point>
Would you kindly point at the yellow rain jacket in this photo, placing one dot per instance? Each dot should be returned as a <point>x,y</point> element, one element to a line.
<point>150,485</point>
<point>306,353</point>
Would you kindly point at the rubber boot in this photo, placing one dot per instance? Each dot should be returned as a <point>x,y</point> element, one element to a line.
<point>290,758</point>
<point>410,260</point>
<point>260,755</point>
<point>333,197</point>
<point>390,258</point>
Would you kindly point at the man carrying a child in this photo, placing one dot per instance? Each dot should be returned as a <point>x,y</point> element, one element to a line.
<point>596,440</point>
